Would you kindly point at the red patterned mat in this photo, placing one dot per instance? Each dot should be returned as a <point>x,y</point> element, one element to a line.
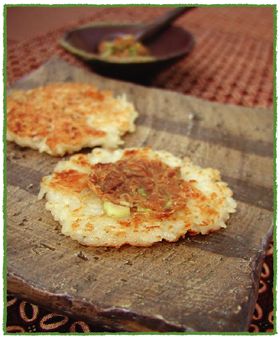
<point>232,62</point>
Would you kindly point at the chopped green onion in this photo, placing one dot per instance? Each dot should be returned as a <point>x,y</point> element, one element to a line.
<point>113,210</point>
<point>143,209</point>
<point>142,191</point>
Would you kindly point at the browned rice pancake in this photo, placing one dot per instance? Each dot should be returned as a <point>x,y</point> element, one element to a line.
<point>62,118</point>
<point>135,196</point>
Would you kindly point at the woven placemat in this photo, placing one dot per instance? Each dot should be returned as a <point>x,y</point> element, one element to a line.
<point>232,62</point>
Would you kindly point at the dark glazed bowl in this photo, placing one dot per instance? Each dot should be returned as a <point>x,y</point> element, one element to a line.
<point>166,48</point>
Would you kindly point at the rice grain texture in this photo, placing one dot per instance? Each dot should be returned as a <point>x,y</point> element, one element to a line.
<point>62,118</point>
<point>203,205</point>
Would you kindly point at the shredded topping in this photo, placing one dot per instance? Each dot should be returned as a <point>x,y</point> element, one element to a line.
<point>124,46</point>
<point>142,184</point>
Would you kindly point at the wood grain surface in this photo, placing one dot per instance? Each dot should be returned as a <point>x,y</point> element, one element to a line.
<point>202,283</point>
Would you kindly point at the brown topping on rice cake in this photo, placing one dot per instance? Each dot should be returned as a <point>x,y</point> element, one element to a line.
<point>135,196</point>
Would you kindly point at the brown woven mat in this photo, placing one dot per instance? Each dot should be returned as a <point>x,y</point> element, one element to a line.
<point>232,62</point>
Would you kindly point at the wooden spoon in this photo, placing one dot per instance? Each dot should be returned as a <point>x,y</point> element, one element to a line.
<point>151,29</point>
<point>163,22</point>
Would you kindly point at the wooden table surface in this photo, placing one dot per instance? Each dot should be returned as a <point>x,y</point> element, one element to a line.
<point>23,31</point>
<point>204,283</point>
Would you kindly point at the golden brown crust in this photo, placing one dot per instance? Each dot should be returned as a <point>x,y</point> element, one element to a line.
<point>83,216</point>
<point>67,114</point>
<point>70,179</point>
<point>42,113</point>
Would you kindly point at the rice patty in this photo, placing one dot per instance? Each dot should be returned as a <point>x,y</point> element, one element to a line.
<point>62,118</point>
<point>135,196</point>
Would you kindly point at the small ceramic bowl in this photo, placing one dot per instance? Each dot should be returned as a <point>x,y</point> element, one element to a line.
<point>166,48</point>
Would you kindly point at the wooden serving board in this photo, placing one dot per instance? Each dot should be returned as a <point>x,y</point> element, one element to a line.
<point>202,283</point>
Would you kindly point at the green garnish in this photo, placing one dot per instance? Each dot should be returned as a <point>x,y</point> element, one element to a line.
<point>142,191</point>
<point>143,209</point>
<point>113,210</point>
<point>168,204</point>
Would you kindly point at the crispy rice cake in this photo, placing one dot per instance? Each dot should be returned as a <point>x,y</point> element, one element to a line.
<point>62,118</point>
<point>135,196</point>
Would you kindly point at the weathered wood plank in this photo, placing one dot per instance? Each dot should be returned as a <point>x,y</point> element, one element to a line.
<point>158,271</point>
<point>203,283</point>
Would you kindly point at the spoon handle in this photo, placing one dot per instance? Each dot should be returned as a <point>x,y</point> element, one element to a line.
<point>162,23</point>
